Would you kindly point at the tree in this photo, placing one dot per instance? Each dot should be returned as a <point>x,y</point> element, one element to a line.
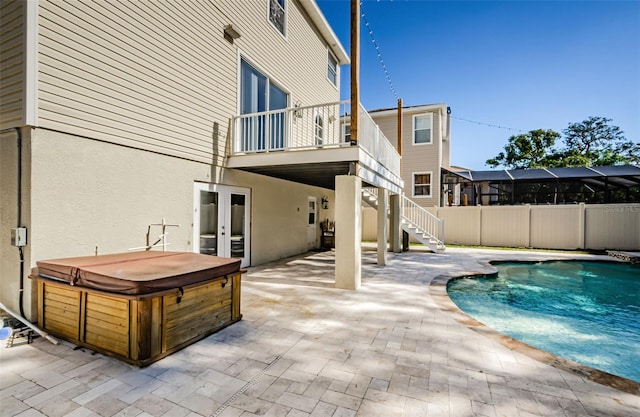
<point>592,135</point>
<point>592,142</point>
<point>600,143</point>
<point>527,150</point>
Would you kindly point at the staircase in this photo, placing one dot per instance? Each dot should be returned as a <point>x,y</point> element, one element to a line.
<point>415,220</point>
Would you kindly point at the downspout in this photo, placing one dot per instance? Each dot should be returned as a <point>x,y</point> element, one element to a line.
<point>19,221</point>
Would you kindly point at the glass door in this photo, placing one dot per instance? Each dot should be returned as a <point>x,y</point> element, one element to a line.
<point>222,220</point>
<point>208,230</point>
<point>258,95</point>
<point>238,221</point>
<point>312,224</point>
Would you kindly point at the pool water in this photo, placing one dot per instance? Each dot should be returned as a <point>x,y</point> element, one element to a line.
<point>588,312</point>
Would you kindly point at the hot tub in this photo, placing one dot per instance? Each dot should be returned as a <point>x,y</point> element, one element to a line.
<point>137,306</point>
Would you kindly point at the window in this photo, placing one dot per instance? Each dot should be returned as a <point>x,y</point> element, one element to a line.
<point>319,129</point>
<point>332,68</point>
<point>346,133</point>
<point>422,127</point>
<point>422,184</point>
<point>278,14</point>
<point>312,212</point>
<point>259,94</point>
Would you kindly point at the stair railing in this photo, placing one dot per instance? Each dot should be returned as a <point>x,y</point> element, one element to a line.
<point>427,223</point>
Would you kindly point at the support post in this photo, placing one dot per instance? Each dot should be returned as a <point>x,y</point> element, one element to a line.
<point>348,214</point>
<point>383,205</point>
<point>399,147</point>
<point>355,69</point>
<point>394,223</point>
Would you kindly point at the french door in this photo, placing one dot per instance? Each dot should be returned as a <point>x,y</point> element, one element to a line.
<point>222,221</point>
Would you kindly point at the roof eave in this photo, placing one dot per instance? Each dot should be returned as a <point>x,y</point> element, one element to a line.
<point>311,7</point>
<point>408,109</point>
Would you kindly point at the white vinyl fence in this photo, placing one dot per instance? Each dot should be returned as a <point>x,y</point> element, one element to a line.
<point>579,226</point>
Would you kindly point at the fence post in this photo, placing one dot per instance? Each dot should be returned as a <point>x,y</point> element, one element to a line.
<point>480,208</point>
<point>582,225</point>
<point>528,235</point>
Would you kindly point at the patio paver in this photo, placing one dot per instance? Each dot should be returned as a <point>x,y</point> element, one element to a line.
<point>305,348</point>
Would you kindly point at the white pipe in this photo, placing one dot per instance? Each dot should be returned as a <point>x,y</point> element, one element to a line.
<point>31,326</point>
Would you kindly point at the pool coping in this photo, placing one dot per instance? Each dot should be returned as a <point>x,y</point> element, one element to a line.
<point>438,291</point>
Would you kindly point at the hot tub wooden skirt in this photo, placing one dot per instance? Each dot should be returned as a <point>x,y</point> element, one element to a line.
<point>138,329</point>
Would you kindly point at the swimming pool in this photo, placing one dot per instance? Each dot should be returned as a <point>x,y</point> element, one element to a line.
<point>588,312</point>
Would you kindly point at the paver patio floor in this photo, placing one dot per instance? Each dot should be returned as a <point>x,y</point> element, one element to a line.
<point>305,348</point>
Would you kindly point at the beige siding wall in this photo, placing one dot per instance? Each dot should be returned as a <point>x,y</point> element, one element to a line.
<point>12,63</point>
<point>596,227</point>
<point>158,75</point>
<point>416,158</point>
<point>389,126</point>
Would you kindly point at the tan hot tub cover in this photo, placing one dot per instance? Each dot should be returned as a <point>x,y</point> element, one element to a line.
<point>137,273</point>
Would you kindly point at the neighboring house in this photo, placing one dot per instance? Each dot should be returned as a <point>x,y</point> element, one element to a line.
<point>426,144</point>
<point>207,116</point>
<point>425,149</point>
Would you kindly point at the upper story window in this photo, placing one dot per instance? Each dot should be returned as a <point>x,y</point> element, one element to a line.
<point>422,128</point>
<point>422,184</point>
<point>332,67</point>
<point>346,133</point>
<point>278,14</point>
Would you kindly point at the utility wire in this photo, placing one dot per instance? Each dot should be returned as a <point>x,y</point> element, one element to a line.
<point>375,44</point>
<point>487,124</point>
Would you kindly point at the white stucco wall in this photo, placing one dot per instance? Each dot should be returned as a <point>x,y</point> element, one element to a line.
<point>82,194</point>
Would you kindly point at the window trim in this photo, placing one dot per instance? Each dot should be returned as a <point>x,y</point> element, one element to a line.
<point>413,184</point>
<point>413,129</point>
<point>331,55</point>
<point>286,18</point>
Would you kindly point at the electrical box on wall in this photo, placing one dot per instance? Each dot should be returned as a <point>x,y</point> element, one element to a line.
<point>19,236</point>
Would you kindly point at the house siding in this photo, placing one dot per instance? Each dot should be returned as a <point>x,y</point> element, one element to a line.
<point>159,75</point>
<point>134,102</point>
<point>12,63</point>
<point>417,158</point>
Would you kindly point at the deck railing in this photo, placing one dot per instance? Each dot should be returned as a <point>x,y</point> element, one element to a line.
<point>376,143</point>
<point>311,127</point>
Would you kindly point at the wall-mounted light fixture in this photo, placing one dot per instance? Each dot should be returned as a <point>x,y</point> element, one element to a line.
<point>230,33</point>
<point>325,202</point>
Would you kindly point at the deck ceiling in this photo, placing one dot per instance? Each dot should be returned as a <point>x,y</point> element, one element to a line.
<point>316,174</point>
<point>317,167</point>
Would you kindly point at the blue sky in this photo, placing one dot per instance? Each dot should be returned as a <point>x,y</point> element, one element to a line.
<point>518,64</point>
